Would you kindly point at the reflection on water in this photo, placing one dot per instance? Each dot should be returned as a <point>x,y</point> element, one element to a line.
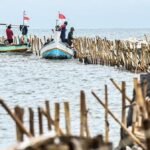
<point>28,81</point>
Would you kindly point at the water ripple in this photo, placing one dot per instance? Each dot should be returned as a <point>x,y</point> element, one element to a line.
<point>28,81</point>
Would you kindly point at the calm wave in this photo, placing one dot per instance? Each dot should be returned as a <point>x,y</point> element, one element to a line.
<point>28,81</point>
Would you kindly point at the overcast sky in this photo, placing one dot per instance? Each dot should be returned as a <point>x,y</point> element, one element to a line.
<point>79,13</point>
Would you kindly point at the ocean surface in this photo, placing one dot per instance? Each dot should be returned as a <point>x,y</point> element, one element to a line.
<point>27,80</point>
<point>108,33</point>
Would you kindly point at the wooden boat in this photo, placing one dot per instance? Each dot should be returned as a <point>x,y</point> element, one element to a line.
<point>56,49</point>
<point>13,48</point>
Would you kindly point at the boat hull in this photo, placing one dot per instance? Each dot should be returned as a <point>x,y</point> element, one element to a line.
<point>56,50</point>
<point>13,48</point>
<point>56,54</point>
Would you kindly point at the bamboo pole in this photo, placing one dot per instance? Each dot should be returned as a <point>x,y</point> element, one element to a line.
<point>67,118</point>
<point>31,121</point>
<point>40,120</point>
<point>52,122</point>
<point>86,123</point>
<point>117,120</point>
<point>134,116</point>
<point>19,112</point>
<point>57,119</point>
<point>32,45</point>
<point>15,118</point>
<point>123,118</point>
<point>106,116</point>
<point>83,116</point>
<point>48,114</point>
<point>82,99</point>
<point>123,103</point>
<point>140,99</point>
<point>38,46</point>
<point>117,86</point>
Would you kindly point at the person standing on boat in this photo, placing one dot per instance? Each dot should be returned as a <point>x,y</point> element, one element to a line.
<point>70,41</point>
<point>63,32</point>
<point>70,36</point>
<point>24,39</point>
<point>9,34</point>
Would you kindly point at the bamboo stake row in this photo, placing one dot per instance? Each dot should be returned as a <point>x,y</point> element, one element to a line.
<point>131,56</point>
<point>19,113</point>
<point>83,141</point>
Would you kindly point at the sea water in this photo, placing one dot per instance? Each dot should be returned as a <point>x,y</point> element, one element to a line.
<point>27,80</point>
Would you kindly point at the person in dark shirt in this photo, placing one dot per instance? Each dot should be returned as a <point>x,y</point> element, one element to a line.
<point>63,32</point>
<point>70,36</point>
<point>24,29</point>
<point>9,34</point>
<point>57,28</point>
<point>70,41</point>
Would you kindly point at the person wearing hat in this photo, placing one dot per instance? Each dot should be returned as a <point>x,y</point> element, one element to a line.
<point>63,32</point>
<point>70,36</point>
<point>9,34</point>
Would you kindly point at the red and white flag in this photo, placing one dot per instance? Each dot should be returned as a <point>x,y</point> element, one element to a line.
<point>61,16</point>
<point>26,18</point>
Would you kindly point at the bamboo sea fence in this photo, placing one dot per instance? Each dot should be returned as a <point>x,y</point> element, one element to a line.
<point>57,138</point>
<point>131,56</point>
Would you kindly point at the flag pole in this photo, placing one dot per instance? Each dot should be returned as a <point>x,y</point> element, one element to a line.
<point>56,22</point>
<point>58,18</point>
<point>23,16</point>
<point>58,13</point>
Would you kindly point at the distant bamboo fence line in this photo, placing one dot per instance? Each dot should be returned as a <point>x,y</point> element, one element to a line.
<point>131,56</point>
<point>123,54</point>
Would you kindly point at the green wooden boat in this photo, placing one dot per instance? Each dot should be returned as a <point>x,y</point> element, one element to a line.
<point>13,48</point>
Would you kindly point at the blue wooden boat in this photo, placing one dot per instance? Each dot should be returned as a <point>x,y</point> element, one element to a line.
<point>56,49</point>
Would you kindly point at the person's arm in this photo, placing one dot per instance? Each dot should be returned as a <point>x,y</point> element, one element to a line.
<point>71,36</point>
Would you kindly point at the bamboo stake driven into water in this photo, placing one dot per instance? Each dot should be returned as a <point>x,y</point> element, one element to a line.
<point>117,86</point>
<point>123,118</point>
<point>31,121</point>
<point>40,116</point>
<point>84,130</point>
<point>57,118</point>
<point>48,115</point>
<point>19,112</point>
<point>124,103</point>
<point>122,125</point>
<point>106,116</point>
<point>15,118</point>
<point>67,118</point>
